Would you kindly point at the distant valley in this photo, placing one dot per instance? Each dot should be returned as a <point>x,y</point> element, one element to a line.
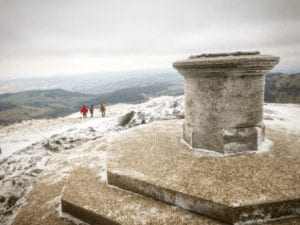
<point>15,107</point>
<point>134,88</point>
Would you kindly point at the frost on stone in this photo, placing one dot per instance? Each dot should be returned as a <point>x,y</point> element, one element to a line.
<point>57,143</point>
<point>162,108</point>
<point>255,217</point>
<point>125,119</point>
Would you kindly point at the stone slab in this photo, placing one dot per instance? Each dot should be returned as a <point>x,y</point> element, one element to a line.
<point>252,64</point>
<point>152,160</point>
<point>89,199</point>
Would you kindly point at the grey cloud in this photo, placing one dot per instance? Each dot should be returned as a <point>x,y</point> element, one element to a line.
<point>64,28</point>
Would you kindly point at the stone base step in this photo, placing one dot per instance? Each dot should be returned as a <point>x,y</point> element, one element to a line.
<point>232,215</point>
<point>89,199</point>
<point>152,161</point>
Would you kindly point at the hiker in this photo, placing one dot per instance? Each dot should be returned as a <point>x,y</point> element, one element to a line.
<point>84,111</point>
<point>102,110</point>
<point>92,110</point>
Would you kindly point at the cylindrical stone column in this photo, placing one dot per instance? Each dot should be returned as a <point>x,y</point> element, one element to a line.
<point>224,97</point>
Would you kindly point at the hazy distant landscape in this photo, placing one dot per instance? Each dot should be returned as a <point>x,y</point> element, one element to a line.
<point>94,83</point>
<point>54,97</point>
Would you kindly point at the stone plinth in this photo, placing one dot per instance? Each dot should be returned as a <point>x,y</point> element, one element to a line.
<point>151,160</point>
<point>224,96</point>
<point>90,200</point>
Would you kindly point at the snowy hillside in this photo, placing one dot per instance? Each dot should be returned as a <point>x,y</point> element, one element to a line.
<point>28,147</point>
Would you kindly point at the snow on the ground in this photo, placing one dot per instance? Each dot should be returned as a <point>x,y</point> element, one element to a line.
<point>282,116</point>
<point>29,147</point>
<point>21,135</point>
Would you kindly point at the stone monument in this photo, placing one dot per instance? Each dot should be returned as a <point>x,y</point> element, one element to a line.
<point>149,169</point>
<point>224,97</point>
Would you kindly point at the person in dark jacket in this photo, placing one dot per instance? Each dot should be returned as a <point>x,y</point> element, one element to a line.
<point>92,110</point>
<point>102,110</point>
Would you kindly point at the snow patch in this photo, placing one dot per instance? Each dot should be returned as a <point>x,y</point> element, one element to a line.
<point>265,146</point>
<point>282,116</point>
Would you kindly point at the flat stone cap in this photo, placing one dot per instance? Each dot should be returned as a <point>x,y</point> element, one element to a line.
<point>209,55</point>
<point>229,60</point>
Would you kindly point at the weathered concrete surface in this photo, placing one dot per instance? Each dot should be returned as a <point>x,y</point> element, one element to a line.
<point>224,100</point>
<point>41,207</point>
<point>43,202</point>
<point>151,160</point>
<point>91,200</point>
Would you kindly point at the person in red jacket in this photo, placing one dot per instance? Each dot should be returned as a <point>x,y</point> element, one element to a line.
<point>84,110</point>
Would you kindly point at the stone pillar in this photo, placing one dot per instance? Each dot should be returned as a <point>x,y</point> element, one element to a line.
<point>224,97</point>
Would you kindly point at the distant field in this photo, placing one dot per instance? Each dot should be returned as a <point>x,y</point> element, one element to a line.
<point>25,105</point>
<point>22,113</point>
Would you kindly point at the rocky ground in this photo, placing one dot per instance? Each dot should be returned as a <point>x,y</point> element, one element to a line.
<point>47,143</point>
<point>40,154</point>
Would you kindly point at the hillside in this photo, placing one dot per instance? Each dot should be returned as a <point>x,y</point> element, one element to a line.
<point>282,88</point>
<point>16,107</point>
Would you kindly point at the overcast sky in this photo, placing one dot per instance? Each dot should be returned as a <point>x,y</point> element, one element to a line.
<point>57,37</point>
